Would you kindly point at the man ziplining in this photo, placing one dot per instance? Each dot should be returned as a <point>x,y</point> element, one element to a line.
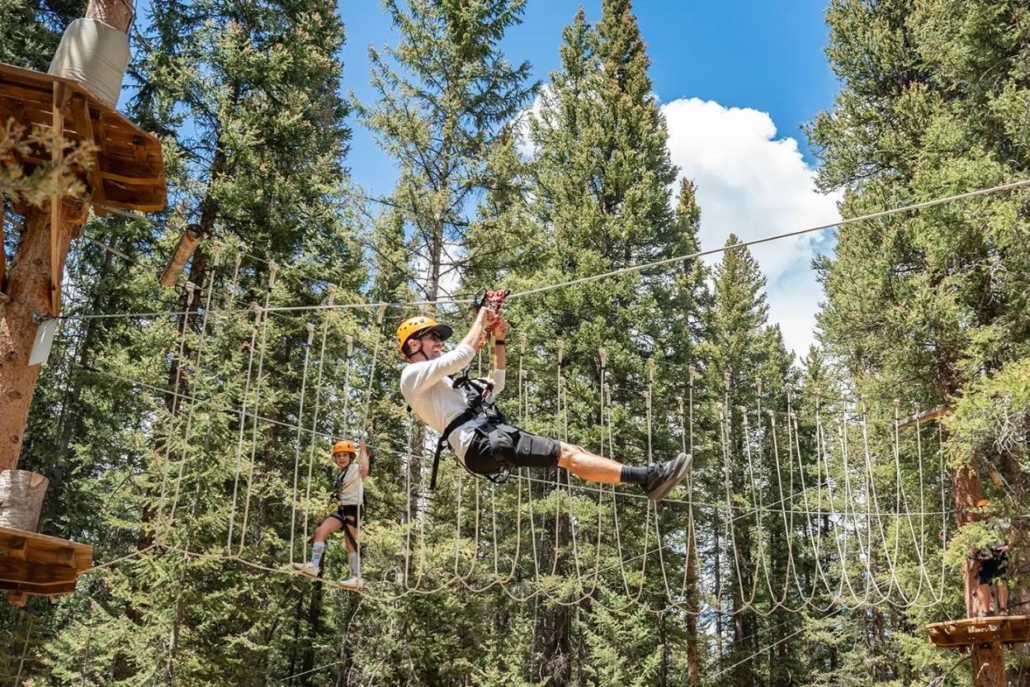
<point>462,410</point>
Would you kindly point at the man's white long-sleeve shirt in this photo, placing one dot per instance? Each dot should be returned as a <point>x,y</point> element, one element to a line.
<point>427,389</point>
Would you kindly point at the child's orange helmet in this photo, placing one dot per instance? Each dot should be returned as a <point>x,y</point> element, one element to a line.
<point>420,325</point>
<point>344,446</point>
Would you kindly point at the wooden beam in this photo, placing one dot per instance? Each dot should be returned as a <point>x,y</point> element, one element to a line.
<point>56,221</point>
<point>84,127</point>
<point>51,589</point>
<point>925,416</point>
<point>46,550</point>
<point>13,570</point>
<point>973,631</point>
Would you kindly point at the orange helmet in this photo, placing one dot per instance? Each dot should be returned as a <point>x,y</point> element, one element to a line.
<point>417,326</point>
<point>344,446</point>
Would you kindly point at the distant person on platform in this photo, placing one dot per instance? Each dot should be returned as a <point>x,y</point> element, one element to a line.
<point>994,561</point>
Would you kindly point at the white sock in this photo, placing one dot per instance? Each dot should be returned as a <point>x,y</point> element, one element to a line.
<point>316,553</point>
<point>355,565</point>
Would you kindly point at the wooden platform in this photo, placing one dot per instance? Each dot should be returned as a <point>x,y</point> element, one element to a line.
<point>129,173</point>
<point>33,563</point>
<point>1013,629</point>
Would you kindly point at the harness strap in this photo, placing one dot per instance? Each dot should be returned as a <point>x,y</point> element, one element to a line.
<point>481,406</point>
<point>347,524</point>
<point>466,416</point>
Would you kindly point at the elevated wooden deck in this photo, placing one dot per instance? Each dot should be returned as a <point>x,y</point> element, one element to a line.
<point>129,171</point>
<point>1011,629</point>
<point>32,563</point>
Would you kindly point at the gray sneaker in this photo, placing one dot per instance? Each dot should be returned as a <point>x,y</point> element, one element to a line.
<point>662,478</point>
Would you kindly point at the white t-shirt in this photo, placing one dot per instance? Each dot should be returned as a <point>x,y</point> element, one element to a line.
<point>428,390</point>
<point>350,489</point>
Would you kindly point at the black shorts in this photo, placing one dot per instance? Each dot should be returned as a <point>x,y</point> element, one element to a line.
<point>348,515</point>
<point>992,568</point>
<point>498,446</point>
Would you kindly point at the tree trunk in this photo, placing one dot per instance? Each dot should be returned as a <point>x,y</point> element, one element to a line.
<point>29,292</point>
<point>21,499</point>
<point>988,665</point>
<point>988,660</point>
<point>718,593</point>
<point>553,636</point>
<point>29,286</point>
<point>693,660</point>
<point>314,629</point>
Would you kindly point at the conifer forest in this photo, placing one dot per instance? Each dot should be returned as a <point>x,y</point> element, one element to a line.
<point>838,501</point>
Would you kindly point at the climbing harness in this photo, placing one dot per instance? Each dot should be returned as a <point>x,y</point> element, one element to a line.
<point>478,395</point>
<point>484,412</point>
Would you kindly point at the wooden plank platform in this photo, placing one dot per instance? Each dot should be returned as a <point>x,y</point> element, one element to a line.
<point>1011,629</point>
<point>32,563</point>
<point>129,173</point>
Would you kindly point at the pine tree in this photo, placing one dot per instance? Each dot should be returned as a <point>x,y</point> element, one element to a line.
<point>256,88</point>
<point>445,96</point>
<point>30,31</point>
<point>600,199</point>
<point>922,308</point>
<point>439,113</point>
<point>748,368</point>
<point>690,305</point>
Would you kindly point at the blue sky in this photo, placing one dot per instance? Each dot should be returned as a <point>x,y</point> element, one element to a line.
<point>736,78</point>
<point>766,55</point>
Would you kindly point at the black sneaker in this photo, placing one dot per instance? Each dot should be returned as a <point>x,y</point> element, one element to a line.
<point>663,477</point>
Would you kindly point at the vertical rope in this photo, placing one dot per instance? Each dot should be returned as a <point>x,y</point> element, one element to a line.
<point>243,425</point>
<point>649,398</point>
<point>522,353</point>
<point>363,428</point>
<point>318,404</point>
<point>407,492</point>
<point>681,412</point>
<point>792,444</point>
<point>864,550</point>
<point>758,502</point>
<point>231,289</point>
<point>729,531</point>
<point>522,471</point>
<point>272,269</point>
<point>689,428</point>
<point>457,527</point>
<point>815,532</point>
<point>25,649</point>
<point>873,507</point>
<point>786,509</point>
<point>171,424</point>
<point>944,505</point>
<point>562,396</point>
<point>824,453</point>
<point>202,338</point>
<point>346,384</point>
<point>300,429</point>
<point>372,375</point>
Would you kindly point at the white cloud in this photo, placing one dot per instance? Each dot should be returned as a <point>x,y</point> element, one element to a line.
<point>754,185</point>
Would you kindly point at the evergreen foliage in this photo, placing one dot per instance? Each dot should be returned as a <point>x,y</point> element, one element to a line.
<point>194,442</point>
